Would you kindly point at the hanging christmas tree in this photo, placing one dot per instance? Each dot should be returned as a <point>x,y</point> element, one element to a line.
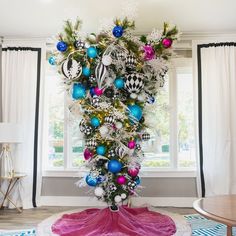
<point>111,77</point>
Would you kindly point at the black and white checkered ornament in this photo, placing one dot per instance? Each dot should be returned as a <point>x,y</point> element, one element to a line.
<point>132,185</point>
<point>130,62</point>
<point>92,79</point>
<point>78,44</point>
<point>111,153</point>
<point>146,136</point>
<point>112,187</point>
<point>91,143</point>
<point>138,147</point>
<point>121,56</point>
<point>71,69</point>
<point>100,162</point>
<point>134,82</point>
<point>95,101</point>
<point>87,130</point>
<point>110,119</point>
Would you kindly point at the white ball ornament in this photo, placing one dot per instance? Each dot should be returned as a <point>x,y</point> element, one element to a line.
<point>86,45</point>
<point>92,37</point>
<point>118,125</point>
<point>133,95</point>
<point>118,198</point>
<point>106,60</point>
<point>106,165</point>
<point>103,130</point>
<point>123,196</point>
<point>141,97</point>
<point>98,191</point>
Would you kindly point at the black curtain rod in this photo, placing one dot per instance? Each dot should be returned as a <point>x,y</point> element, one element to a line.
<point>221,44</point>
<point>20,49</point>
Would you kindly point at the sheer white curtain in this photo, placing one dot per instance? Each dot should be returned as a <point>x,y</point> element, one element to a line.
<point>218,93</point>
<point>19,81</point>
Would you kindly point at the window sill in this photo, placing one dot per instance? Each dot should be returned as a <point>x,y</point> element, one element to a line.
<point>160,173</point>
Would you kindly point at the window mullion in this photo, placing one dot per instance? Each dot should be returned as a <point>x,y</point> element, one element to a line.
<point>173,118</point>
<point>66,135</point>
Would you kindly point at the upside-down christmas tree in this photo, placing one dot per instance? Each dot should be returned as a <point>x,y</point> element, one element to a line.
<point>111,77</point>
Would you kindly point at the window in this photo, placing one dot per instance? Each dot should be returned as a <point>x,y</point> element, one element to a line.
<point>172,143</point>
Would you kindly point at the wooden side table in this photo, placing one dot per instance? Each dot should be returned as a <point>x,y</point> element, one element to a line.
<point>11,182</point>
<point>218,208</point>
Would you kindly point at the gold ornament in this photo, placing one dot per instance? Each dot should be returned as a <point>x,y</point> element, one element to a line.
<point>127,124</point>
<point>119,22</point>
<point>71,48</point>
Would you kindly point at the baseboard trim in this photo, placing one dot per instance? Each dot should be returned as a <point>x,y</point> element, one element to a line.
<point>136,201</point>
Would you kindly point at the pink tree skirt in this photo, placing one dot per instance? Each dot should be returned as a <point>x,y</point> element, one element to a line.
<point>126,221</point>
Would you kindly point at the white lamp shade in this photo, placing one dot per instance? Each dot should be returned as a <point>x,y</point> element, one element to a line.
<point>10,133</point>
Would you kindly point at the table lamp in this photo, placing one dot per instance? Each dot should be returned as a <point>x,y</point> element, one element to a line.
<point>10,133</point>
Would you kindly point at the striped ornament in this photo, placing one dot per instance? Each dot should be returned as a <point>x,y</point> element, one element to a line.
<point>82,125</point>
<point>121,152</point>
<point>91,143</point>
<point>110,119</point>
<point>100,73</point>
<point>71,69</point>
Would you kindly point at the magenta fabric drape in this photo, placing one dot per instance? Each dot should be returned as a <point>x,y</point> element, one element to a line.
<point>103,222</point>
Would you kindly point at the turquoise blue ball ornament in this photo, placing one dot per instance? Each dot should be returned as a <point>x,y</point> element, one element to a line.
<point>137,180</point>
<point>135,111</point>
<point>95,122</point>
<point>92,52</point>
<point>52,60</point>
<point>78,91</point>
<point>114,166</point>
<point>118,31</point>
<point>91,181</point>
<point>86,71</point>
<point>101,150</point>
<point>119,83</point>
<point>62,46</point>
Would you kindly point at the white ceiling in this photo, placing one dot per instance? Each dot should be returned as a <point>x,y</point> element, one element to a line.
<point>40,18</point>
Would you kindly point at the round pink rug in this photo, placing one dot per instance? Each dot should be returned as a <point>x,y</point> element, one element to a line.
<point>126,221</point>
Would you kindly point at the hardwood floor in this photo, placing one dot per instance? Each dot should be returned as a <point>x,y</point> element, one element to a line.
<point>11,219</point>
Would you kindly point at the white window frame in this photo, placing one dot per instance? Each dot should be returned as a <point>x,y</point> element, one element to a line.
<point>172,171</point>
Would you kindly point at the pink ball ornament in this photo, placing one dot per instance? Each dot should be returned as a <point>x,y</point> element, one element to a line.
<point>166,42</point>
<point>131,144</point>
<point>133,172</point>
<point>149,52</point>
<point>87,154</point>
<point>98,91</point>
<point>121,180</point>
